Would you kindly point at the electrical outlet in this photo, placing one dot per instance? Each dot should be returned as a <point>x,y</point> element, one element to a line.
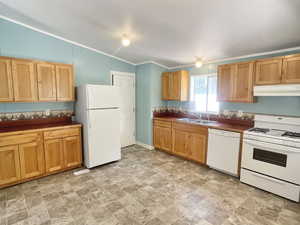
<point>47,112</point>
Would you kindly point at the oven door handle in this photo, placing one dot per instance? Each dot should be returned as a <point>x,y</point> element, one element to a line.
<point>281,149</point>
<point>268,178</point>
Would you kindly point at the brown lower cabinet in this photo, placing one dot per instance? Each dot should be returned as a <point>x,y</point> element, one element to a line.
<point>32,159</point>
<point>162,135</point>
<point>54,154</point>
<point>9,164</point>
<point>185,140</point>
<point>31,154</point>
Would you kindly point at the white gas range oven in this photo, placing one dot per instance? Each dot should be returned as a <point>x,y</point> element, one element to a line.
<point>271,156</point>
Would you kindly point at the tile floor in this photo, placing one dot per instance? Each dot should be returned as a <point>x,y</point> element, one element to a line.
<point>145,187</point>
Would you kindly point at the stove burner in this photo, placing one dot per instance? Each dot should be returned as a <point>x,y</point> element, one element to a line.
<point>291,134</point>
<point>259,130</point>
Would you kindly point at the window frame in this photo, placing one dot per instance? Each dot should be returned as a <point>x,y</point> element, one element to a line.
<point>191,94</point>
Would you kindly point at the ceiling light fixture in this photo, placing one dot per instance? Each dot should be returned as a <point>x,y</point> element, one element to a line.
<point>199,62</point>
<point>125,40</point>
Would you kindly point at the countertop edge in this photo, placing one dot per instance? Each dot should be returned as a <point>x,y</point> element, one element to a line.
<point>25,129</point>
<point>219,125</point>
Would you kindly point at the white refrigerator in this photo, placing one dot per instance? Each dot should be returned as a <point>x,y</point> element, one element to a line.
<point>98,109</point>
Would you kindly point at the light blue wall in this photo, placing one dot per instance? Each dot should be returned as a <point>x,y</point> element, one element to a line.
<point>148,96</point>
<point>89,66</point>
<point>289,106</point>
<point>92,67</point>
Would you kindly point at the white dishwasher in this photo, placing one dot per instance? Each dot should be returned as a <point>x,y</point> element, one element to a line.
<point>223,151</point>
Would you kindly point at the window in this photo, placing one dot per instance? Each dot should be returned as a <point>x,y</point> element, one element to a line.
<point>204,93</point>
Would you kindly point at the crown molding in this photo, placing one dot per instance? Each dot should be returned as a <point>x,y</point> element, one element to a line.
<point>64,39</point>
<point>183,66</point>
<point>147,62</point>
<point>225,59</point>
<point>241,57</point>
<point>153,62</point>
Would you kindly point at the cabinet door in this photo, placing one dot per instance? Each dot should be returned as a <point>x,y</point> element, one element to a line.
<point>24,81</point>
<point>268,71</point>
<point>165,86</point>
<point>176,86</point>
<point>197,147</point>
<point>46,82</point>
<point>64,83</point>
<point>291,69</point>
<point>243,82</point>
<point>72,151</point>
<point>156,137</point>
<point>6,88</point>
<point>180,142</point>
<point>54,156</point>
<point>163,138</point>
<point>225,82</point>
<point>31,159</point>
<point>166,138</point>
<point>9,164</point>
<point>184,85</point>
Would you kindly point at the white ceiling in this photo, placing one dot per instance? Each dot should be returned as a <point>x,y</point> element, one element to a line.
<point>170,32</point>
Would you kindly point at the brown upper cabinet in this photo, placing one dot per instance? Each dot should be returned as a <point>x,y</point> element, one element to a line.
<point>64,81</point>
<point>278,70</point>
<point>291,69</point>
<point>46,82</point>
<point>175,85</point>
<point>243,77</point>
<point>6,90</point>
<point>24,80</point>
<point>35,81</point>
<point>165,85</point>
<point>235,82</point>
<point>268,71</point>
<point>225,82</point>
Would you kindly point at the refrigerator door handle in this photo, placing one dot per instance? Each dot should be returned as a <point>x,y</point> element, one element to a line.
<point>89,119</point>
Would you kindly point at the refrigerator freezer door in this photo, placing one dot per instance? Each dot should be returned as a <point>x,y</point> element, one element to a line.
<point>104,143</point>
<point>102,97</point>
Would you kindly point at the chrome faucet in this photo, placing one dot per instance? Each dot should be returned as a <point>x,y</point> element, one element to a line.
<point>208,116</point>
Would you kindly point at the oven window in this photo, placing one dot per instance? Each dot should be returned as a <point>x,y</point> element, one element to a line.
<point>270,157</point>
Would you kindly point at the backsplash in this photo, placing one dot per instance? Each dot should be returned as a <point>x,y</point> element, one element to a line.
<point>14,116</point>
<point>222,114</point>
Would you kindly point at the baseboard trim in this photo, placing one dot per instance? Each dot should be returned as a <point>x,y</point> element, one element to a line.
<point>150,147</point>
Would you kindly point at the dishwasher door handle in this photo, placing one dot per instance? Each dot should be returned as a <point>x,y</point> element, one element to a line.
<point>223,135</point>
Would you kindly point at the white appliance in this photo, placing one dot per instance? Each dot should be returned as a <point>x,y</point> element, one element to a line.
<point>277,90</point>
<point>98,110</point>
<point>271,156</point>
<point>223,151</point>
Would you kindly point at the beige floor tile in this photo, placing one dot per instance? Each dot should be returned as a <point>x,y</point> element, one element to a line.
<point>144,188</point>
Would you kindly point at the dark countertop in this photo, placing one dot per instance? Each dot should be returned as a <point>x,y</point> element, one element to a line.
<point>216,125</point>
<point>37,127</point>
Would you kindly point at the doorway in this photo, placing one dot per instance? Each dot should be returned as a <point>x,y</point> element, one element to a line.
<point>126,83</point>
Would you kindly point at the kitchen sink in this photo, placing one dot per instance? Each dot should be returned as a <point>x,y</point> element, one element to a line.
<point>198,121</point>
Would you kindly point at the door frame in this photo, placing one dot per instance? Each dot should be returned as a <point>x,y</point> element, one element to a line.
<point>112,73</point>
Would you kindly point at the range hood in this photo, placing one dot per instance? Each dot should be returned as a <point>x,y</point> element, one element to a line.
<point>277,90</point>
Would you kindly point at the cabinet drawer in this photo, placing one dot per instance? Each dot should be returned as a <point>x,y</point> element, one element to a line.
<point>61,133</point>
<point>161,123</point>
<point>190,128</point>
<point>19,139</point>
